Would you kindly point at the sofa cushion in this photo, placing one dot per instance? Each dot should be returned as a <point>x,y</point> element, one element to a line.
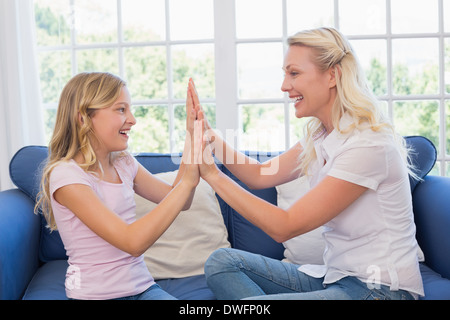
<point>423,156</point>
<point>435,286</point>
<point>184,247</point>
<point>48,284</point>
<point>25,169</point>
<point>189,288</point>
<point>159,162</point>
<point>242,234</point>
<point>431,214</point>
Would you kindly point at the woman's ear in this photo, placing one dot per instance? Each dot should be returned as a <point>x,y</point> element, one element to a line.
<point>333,72</point>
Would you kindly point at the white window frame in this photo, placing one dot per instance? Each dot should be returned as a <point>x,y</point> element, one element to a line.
<point>227,105</point>
<point>225,44</point>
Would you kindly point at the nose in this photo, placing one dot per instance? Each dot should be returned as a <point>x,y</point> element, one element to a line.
<point>130,118</point>
<point>285,86</point>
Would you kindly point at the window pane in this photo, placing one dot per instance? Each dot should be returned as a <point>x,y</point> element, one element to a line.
<point>260,70</point>
<point>102,60</point>
<point>372,55</point>
<point>414,16</point>
<point>95,21</point>
<point>55,69</point>
<point>362,17</point>
<point>151,132</point>
<point>418,118</point>
<point>305,14</point>
<point>262,127</point>
<point>53,22</point>
<point>143,20</point>
<point>447,112</point>
<point>196,61</point>
<point>435,171</point>
<point>49,123</point>
<point>258,18</point>
<point>146,72</point>
<point>415,66</point>
<point>447,64</point>
<point>446,14</point>
<point>193,19</point>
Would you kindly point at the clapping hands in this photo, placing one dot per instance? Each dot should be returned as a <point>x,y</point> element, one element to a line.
<point>199,134</point>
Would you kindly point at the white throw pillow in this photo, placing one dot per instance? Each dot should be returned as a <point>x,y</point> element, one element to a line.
<point>183,249</point>
<point>307,248</point>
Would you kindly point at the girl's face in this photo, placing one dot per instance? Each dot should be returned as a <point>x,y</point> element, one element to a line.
<point>112,125</point>
<point>311,90</point>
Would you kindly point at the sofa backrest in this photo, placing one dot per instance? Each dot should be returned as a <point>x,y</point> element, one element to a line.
<point>25,172</point>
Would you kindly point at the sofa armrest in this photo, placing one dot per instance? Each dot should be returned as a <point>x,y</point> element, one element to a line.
<point>431,200</point>
<point>19,243</point>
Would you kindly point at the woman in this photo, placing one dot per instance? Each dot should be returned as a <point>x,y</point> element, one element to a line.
<point>357,168</point>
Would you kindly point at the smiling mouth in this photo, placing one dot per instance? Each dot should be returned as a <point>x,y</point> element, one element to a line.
<point>296,99</point>
<point>124,133</point>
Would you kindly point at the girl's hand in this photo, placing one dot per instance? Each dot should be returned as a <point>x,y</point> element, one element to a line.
<point>191,175</point>
<point>191,109</point>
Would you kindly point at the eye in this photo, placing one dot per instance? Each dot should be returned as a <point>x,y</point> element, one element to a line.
<point>121,110</point>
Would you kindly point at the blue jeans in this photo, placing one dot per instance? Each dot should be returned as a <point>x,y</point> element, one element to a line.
<point>233,274</point>
<point>153,293</point>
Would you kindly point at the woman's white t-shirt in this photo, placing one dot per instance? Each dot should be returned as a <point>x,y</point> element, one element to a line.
<point>374,238</point>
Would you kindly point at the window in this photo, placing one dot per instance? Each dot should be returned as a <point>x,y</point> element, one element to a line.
<point>154,45</point>
<point>234,51</point>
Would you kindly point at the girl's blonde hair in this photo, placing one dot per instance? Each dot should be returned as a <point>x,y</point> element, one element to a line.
<point>81,97</point>
<point>332,50</point>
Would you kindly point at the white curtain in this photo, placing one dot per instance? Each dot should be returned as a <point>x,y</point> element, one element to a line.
<point>21,121</point>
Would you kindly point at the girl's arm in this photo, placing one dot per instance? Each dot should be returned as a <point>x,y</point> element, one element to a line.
<point>134,238</point>
<point>154,189</point>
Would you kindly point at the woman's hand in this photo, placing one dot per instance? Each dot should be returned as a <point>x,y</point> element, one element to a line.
<point>204,157</point>
<point>200,113</point>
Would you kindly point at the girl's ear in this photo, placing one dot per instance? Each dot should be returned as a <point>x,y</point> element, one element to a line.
<point>80,119</point>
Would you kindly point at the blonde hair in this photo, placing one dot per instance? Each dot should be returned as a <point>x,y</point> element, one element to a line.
<point>81,97</point>
<point>354,97</point>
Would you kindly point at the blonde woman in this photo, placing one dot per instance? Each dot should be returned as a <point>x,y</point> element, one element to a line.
<point>87,192</point>
<point>357,168</point>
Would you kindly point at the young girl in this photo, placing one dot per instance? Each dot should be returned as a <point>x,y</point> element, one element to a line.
<point>87,192</point>
<point>358,172</point>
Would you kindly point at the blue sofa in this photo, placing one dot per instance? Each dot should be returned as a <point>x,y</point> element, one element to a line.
<point>33,261</point>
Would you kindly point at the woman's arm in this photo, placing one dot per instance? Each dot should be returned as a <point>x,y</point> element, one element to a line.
<point>318,206</point>
<point>254,174</point>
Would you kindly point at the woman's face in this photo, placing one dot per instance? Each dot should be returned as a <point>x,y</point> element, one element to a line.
<point>112,124</point>
<point>311,90</point>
